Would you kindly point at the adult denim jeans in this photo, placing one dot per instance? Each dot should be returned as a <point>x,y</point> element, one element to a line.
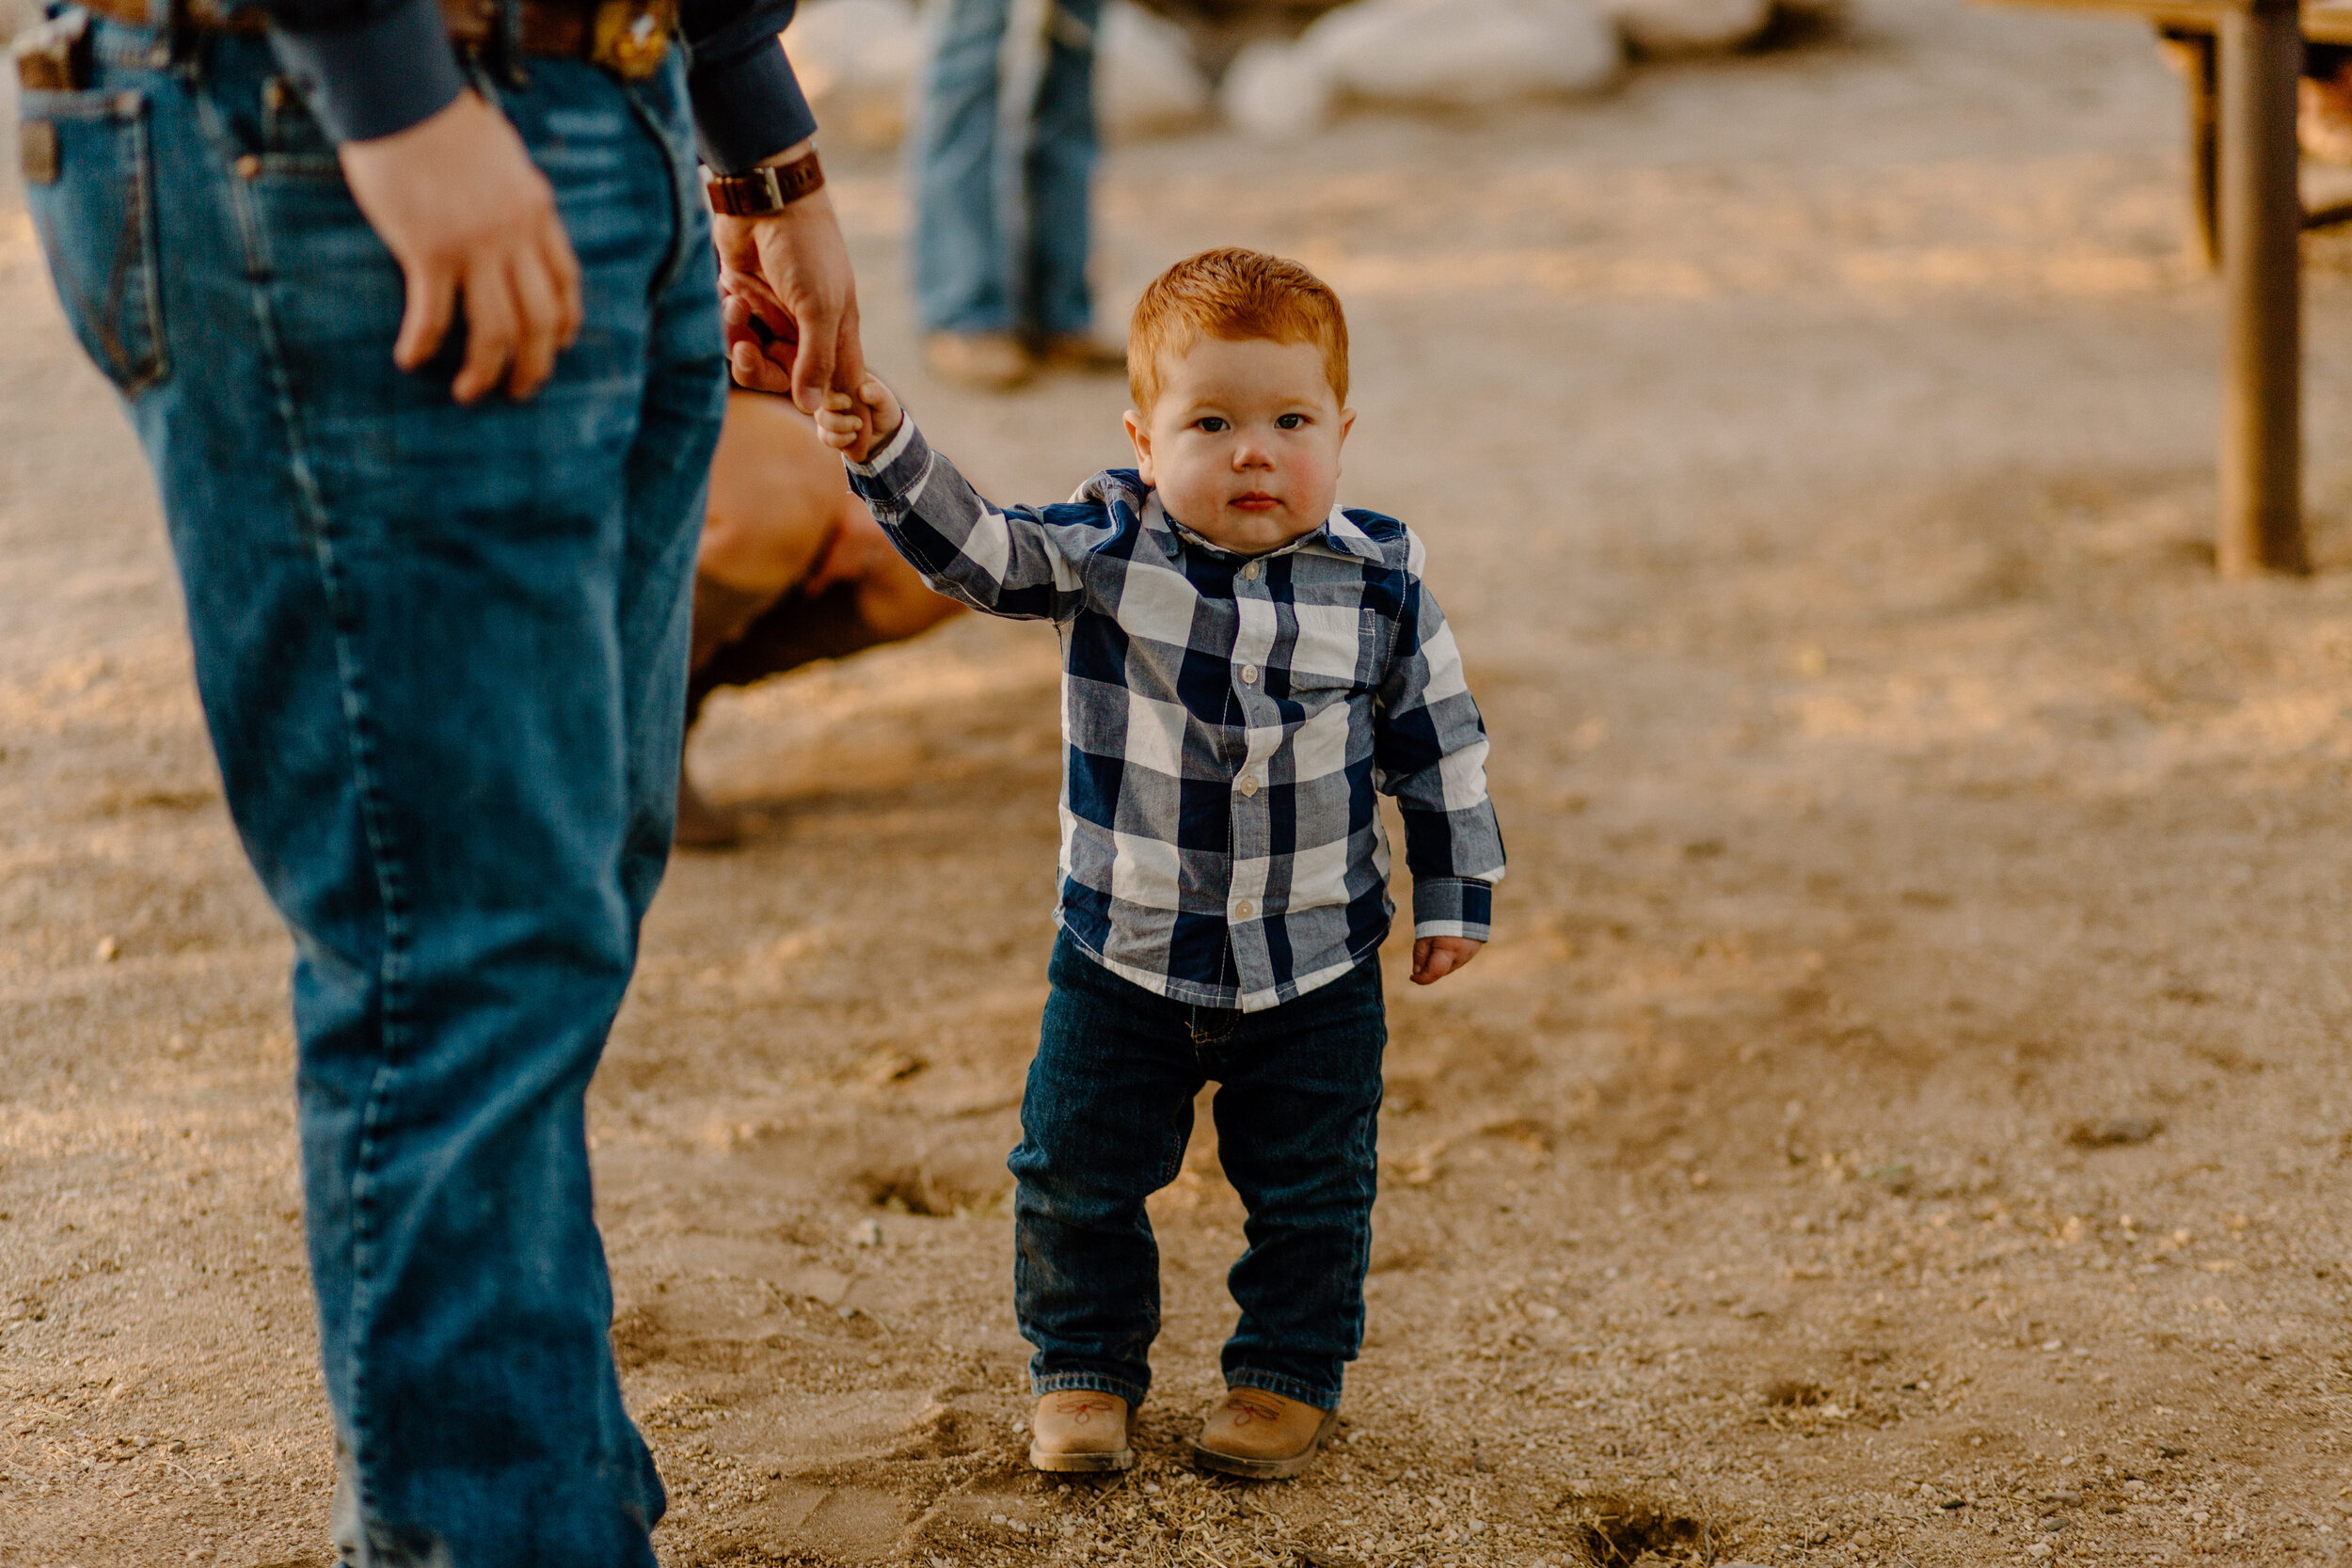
<point>441,652</point>
<point>1003,154</point>
<point>1104,1125</point>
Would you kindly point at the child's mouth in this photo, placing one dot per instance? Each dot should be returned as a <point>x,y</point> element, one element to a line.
<point>1256,501</point>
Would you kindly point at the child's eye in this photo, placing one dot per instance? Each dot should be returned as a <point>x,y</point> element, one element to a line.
<point>1290,422</point>
<point>1211,423</point>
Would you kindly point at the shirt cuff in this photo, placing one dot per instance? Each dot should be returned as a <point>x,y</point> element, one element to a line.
<point>1453,906</point>
<point>748,108</point>
<point>894,453</point>
<point>375,79</point>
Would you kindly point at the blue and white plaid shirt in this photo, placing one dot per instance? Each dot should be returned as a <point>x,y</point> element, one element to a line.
<point>1227,719</point>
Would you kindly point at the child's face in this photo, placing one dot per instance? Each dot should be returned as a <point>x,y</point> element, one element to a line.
<point>1243,442</point>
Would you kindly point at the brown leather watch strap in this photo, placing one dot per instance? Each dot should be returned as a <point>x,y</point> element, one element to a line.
<point>766,190</point>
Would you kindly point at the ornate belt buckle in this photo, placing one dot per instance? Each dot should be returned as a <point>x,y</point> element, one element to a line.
<point>633,37</point>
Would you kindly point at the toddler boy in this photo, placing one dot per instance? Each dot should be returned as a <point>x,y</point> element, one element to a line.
<point>1244,663</point>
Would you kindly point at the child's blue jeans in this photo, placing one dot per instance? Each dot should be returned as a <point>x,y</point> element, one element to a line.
<point>1104,1125</point>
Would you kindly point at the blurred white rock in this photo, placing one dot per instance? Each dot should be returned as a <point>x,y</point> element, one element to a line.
<point>1689,26</point>
<point>857,61</point>
<point>1146,80</point>
<point>1276,91</point>
<point>1464,54</point>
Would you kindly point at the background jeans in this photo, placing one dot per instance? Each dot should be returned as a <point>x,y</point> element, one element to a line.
<point>1003,154</point>
<point>1104,1125</point>
<point>441,652</point>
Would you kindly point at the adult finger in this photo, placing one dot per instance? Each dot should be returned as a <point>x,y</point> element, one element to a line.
<point>563,269</point>
<point>539,325</point>
<point>431,292</point>
<point>758,301</point>
<point>813,365</point>
<point>490,330</point>
<point>849,362</point>
<point>757,371</point>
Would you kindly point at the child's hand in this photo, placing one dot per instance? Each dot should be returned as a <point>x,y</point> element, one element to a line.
<point>1435,958</point>
<point>861,426</point>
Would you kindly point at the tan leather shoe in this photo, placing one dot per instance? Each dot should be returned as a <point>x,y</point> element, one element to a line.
<point>1082,354</point>
<point>1261,1436</point>
<point>1080,1429</point>
<point>986,361</point>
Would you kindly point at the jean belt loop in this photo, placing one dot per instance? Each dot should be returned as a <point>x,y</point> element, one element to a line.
<point>177,45</point>
<point>511,69</point>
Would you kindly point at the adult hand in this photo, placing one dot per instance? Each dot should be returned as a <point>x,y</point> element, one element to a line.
<point>464,211</point>
<point>789,272</point>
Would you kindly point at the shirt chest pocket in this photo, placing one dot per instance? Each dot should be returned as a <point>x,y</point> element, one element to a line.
<point>1335,651</point>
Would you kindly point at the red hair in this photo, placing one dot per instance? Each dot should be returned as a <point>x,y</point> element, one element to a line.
<point>1235,294</point>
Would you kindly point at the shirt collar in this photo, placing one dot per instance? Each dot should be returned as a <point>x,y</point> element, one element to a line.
<point>1337,536</point>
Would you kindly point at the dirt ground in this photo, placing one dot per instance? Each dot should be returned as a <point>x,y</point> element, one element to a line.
<point>1902,1116</point>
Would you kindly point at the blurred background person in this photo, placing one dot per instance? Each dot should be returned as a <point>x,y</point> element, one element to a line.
<point>1003,154</point>
<point>792,569</point>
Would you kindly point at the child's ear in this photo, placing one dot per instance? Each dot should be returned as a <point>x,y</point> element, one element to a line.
<point>1348,423</point>
<point>1139,435</point>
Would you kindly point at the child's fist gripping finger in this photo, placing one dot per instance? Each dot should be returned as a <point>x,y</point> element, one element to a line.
<point>1435,958</point>
<point>860,426</point>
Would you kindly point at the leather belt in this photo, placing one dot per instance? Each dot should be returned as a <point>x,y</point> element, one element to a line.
<point>628,38</point>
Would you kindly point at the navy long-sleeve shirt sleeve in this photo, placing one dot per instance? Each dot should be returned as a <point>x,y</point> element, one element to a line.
<point>374,66</point>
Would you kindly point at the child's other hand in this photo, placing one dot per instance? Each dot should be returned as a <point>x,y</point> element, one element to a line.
<point>1435,958</point>
<point>861,426</point>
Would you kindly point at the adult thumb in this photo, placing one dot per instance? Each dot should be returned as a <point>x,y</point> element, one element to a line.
<point>813,360</point>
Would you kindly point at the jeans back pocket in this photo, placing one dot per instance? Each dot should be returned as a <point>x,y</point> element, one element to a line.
<point>94,208</point>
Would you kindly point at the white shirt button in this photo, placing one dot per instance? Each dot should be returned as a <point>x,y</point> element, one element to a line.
<point>1247,784</point>
<point>1245,910</point>
<point>1250,675</point>
<point>1250,572</point>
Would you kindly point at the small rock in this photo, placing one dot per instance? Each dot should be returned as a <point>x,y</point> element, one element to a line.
<point>107,949</point>
<point>1464,54</point>
<point>2040,1548</point>
<point>2112,1132</point>
<point>867,1233</point>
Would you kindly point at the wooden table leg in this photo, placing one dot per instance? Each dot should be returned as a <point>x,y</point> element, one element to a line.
<point>2262,226</point>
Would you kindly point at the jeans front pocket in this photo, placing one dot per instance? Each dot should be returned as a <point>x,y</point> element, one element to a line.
<point>293,142</point>
<point>95,214</point>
